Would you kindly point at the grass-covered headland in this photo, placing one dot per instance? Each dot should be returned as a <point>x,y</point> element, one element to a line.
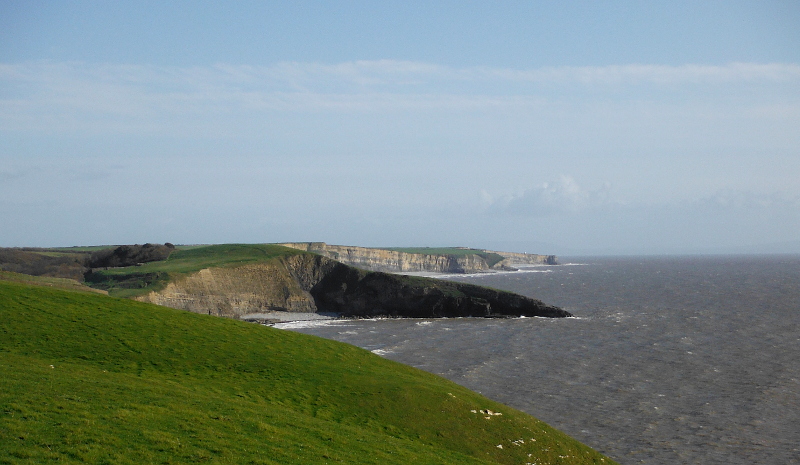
<point>87,378</point>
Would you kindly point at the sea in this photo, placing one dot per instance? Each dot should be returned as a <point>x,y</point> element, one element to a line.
<point>668,360</point>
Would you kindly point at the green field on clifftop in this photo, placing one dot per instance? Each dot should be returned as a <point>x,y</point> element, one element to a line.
<point>131,281</point>
<point>89,378</point>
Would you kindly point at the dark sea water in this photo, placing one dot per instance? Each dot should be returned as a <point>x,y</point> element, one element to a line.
<point>678,360</point>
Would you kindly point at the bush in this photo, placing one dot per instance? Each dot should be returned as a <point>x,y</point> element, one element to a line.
<point>129,255</point>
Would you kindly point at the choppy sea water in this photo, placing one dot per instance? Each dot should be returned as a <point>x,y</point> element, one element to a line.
<point>677,360</point>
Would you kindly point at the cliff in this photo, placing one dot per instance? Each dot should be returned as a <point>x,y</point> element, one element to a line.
<point>512,258</point>
<point>233,292</point>
<point>313,283</point>
<point>394,261</point>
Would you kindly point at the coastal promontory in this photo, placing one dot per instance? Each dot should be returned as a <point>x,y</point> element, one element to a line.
<point>423,259</point>
<point>237,280</point>
<point>303,282</point>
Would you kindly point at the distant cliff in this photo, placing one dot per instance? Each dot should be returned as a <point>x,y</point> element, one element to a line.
<point>394,261</point>
<point>513,258</point>
<point>313,283</point>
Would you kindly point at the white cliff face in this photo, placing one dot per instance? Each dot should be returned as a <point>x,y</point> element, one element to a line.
<point>513,258</point>
<point>394,261</point>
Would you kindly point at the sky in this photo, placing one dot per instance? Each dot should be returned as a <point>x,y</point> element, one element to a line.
<point>569,128</point>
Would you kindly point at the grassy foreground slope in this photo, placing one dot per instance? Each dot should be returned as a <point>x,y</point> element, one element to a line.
<point>93,379</point>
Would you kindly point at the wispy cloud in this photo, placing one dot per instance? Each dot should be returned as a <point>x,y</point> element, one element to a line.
<point>405,73</point>
<point>566,196</point>
<point>563,212</point>
<point>8,174</point>
<point>655,74</point>
<point>563,195</point>
<point>739,200</point>
<point>45,97</point>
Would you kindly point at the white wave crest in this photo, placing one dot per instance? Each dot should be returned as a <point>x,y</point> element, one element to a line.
<point>305,324</point>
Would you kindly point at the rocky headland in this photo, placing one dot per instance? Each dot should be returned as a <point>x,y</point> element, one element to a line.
<point>316,284</point>
<point>237,280</point>
<point>395,261</point>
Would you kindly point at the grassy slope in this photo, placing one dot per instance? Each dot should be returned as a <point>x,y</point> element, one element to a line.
<point>137,280</point>
<point>90,378</point>
<point>60,283</point>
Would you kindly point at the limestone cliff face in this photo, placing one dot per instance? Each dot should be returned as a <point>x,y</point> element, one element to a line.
<point>233,292</point>
<point>394,261</point>
<point>313,283</point>
<point>512,258</point>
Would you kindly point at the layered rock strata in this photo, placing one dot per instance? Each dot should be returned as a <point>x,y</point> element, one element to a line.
<point>393,261</point>
<point>355,292</point>
<point>312,283</point>
<point>234,292</point>
<point>511,259</point>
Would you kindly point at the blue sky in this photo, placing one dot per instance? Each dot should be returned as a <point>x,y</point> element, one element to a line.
<point>550,127</point>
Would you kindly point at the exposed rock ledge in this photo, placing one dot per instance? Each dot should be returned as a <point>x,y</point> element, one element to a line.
<point>312,283</point>
<point>393,261</point>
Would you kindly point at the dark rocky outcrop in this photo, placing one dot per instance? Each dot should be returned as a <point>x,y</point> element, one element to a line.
<point>313,283</point>
<point>349,291</point>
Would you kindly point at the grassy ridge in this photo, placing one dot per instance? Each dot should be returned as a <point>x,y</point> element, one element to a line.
<point>93,379</point>
<point>60,283</point>
<point>137,280</point>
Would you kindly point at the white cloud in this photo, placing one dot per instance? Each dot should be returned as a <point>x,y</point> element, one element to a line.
<point>378,130</point>
<point>577,221</point>
<point>564,195</point>
<point>738,200</point>
<point>655,74</point>
<point>408,73</point>
<point>48,95</point>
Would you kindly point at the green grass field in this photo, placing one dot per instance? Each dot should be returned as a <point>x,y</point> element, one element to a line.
<point>88,378</point>
<point>132,281</point>
<point>59,283</point>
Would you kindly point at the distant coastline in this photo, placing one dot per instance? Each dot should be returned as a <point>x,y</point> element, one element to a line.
<point>408,260</point>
